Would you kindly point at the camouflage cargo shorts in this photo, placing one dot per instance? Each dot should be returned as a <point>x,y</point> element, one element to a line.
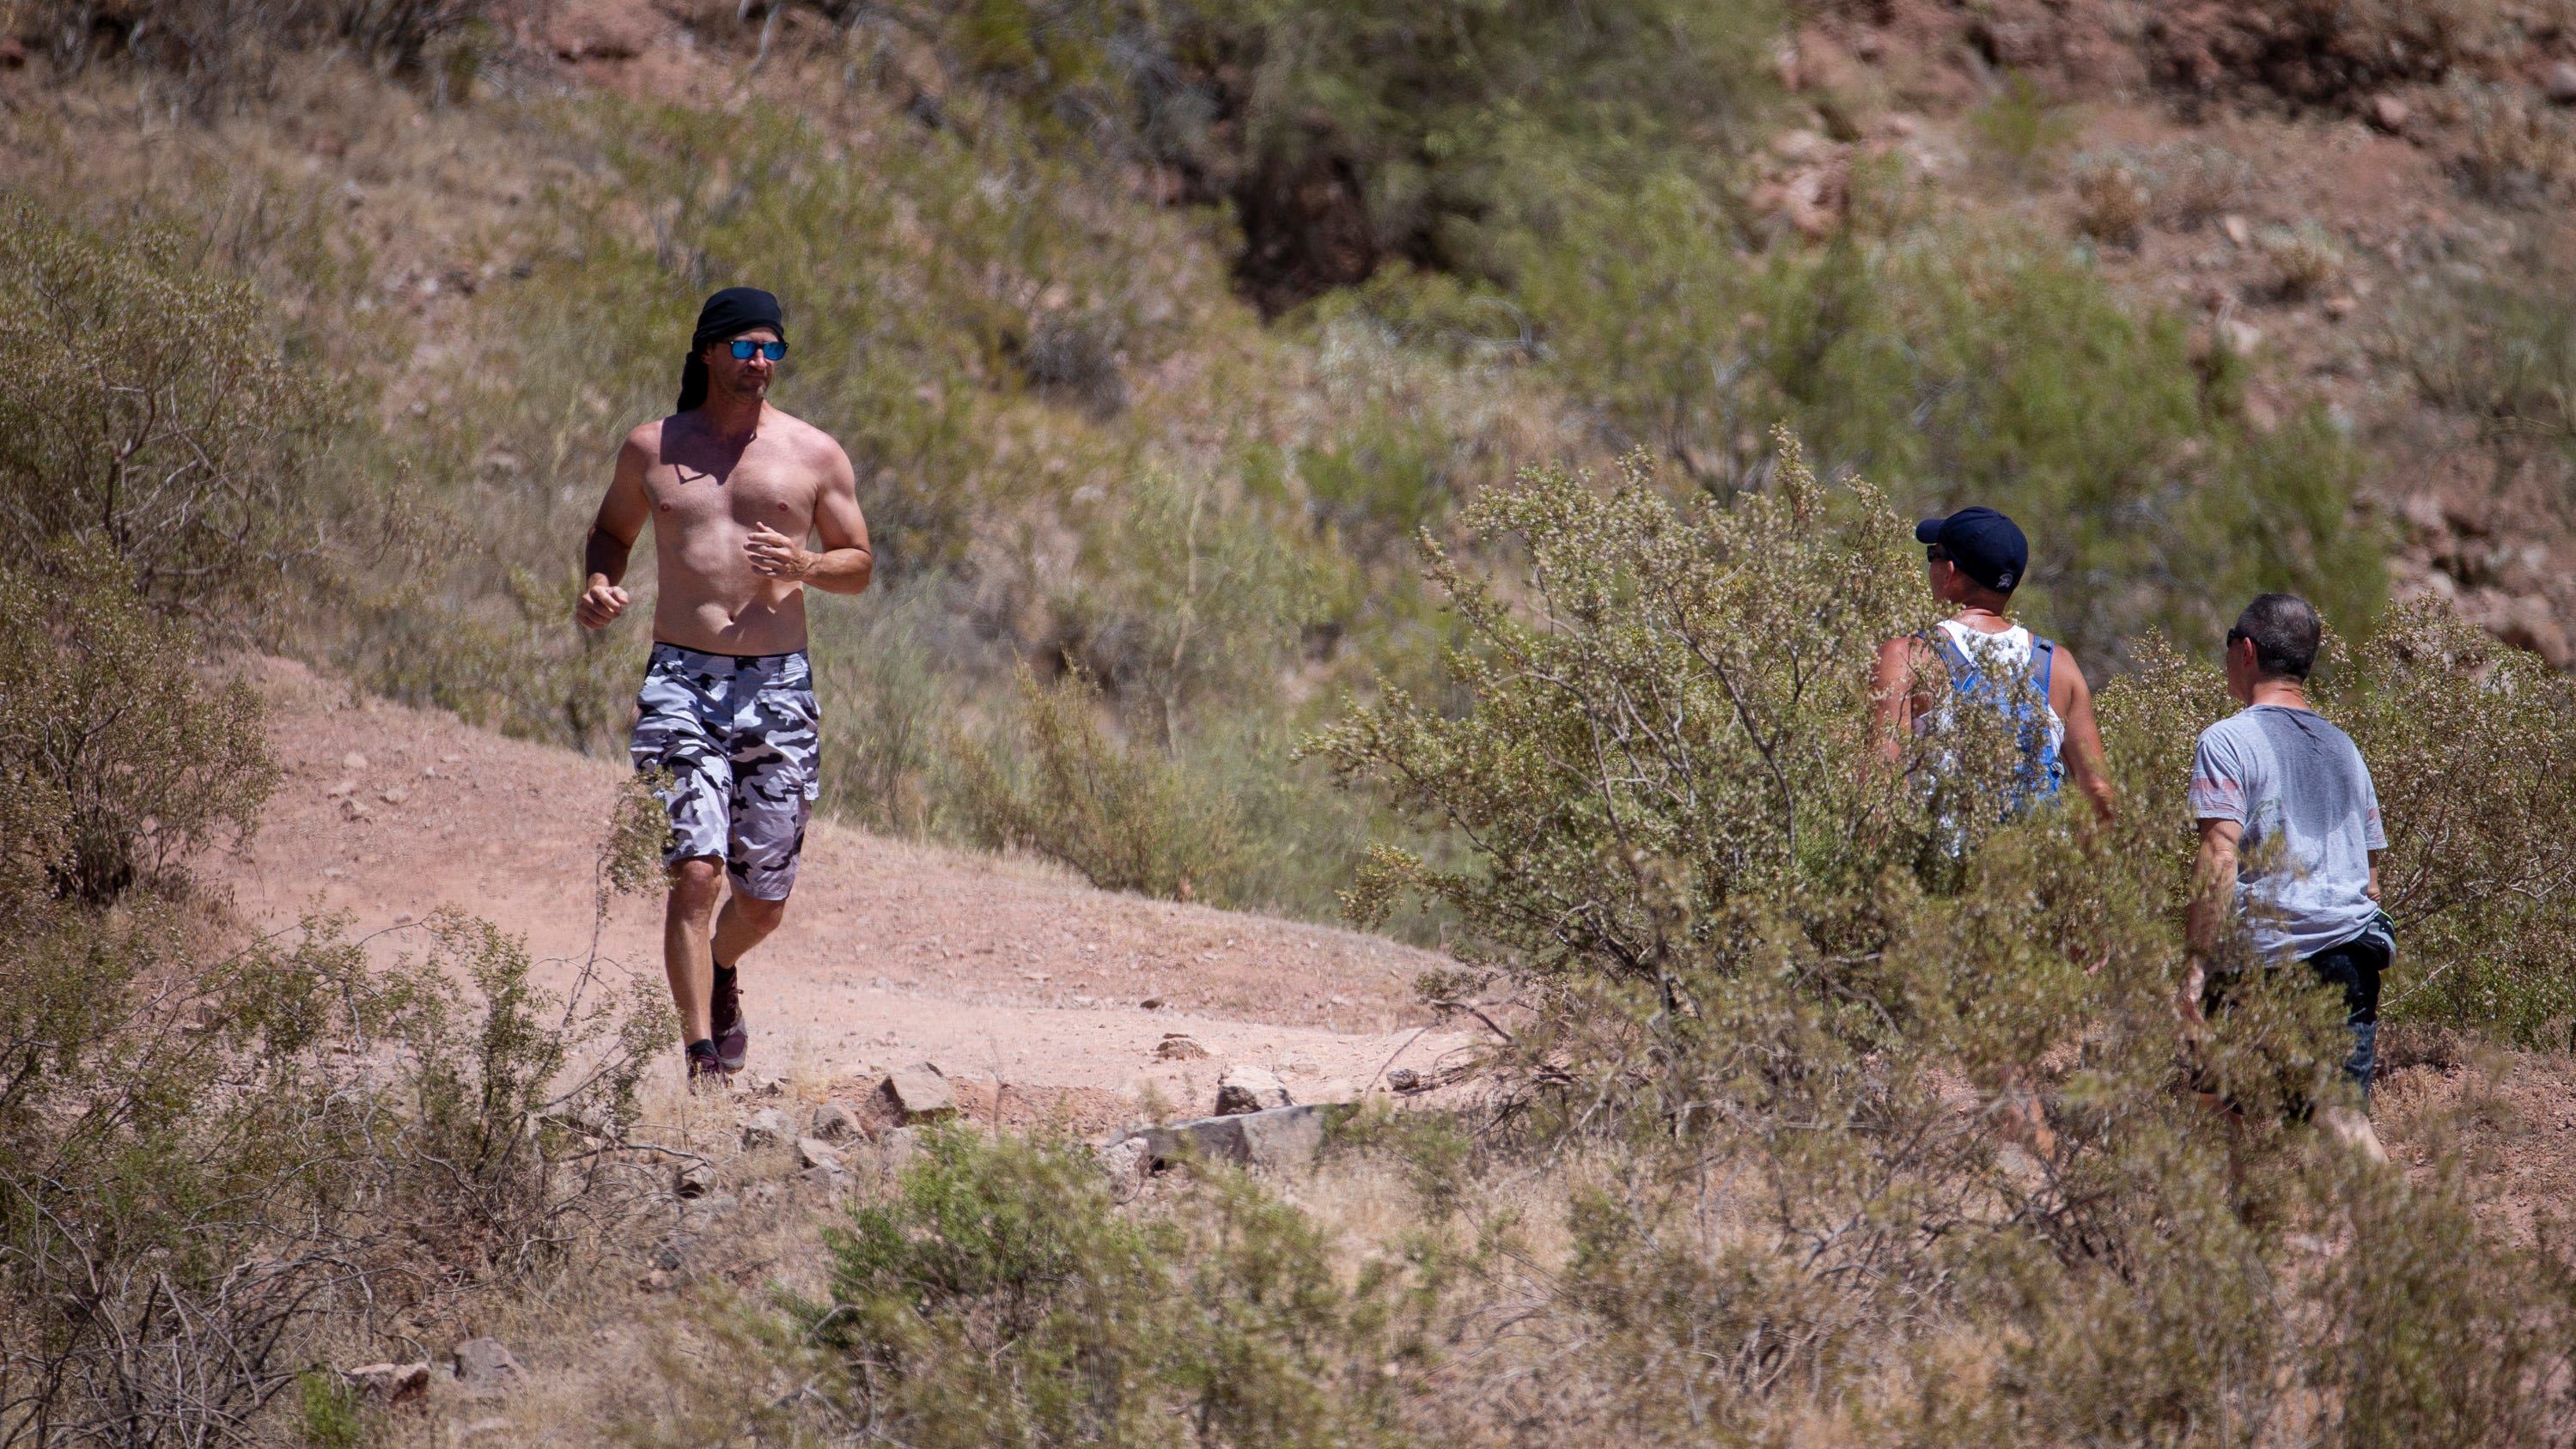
<point>741,737</point>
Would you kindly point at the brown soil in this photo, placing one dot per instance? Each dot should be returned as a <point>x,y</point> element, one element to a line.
<point>1027,988</point>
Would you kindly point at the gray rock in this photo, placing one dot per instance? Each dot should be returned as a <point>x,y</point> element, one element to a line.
<point>1126,1162</point>
<point>831,1180</point>
<point>390,1383</point>
<point>1248,1089</point>
<point>835,1123</point>
<point>918,1096</point>
<point>2561,85</point>
<point>765,1128</point>
<point>1177,1047</point>
<point>813,1152</point>
<point>896,1146</point>
<point>1406,1079</point>
<point>484,1368</point>
<point>695,1179</point>
<point>1280,1139</point>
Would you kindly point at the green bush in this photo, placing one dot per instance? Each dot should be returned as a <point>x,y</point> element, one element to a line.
<point>1774,1044</point>
<point>211,1167</point>
<point>108,728</point>
<point>1956,367</point>
<point>148,404</point>
<point>1121,812</point>
<point>1003,1298</point>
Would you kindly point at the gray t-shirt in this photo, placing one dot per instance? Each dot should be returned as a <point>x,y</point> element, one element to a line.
<point>2311,819</point>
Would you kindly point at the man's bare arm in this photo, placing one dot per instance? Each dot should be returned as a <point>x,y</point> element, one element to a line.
<point>611,542</point>
<point>2213,885</point>
<point>1892,697</point>
<point>846,562</point>
<point>2084,757</point>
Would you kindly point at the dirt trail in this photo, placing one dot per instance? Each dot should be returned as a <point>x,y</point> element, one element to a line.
<point>993,970</point>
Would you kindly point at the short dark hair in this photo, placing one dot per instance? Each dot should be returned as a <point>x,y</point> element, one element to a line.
<point>2285,631</point>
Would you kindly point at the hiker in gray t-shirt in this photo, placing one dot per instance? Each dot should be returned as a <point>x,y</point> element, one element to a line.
<point>2289,818</point>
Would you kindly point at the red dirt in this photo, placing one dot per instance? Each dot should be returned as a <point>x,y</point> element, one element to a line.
<point>993,970</point>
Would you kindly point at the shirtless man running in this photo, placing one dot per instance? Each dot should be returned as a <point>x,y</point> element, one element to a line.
<point>732,487</point>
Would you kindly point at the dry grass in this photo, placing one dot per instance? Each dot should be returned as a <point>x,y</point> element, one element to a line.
<point>2112,204</point>
<point>2306,262</point>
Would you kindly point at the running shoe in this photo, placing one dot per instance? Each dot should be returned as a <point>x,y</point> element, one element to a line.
<point>706,1069</point>
<point>724,1013</point>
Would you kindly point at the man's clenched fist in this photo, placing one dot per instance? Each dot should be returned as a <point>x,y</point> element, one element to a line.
<point>600,604</point>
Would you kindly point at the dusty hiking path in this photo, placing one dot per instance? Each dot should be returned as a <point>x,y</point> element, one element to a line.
<point>996,971</point>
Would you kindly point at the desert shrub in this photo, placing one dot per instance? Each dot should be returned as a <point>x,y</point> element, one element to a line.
<point>2470,745</point>
<point>2196,183</point>
<point>2501,350</point>
<point>1968,368</point>
<point>211,1166</point>
<point>2022,129</point>
<point>1002,1297</point>
<point>2305,260</point>
<point>149,404</point>
<point>2112,203</point>
<point>1122,812</point>
<point>108,727</point>
<point>886,703</point>
<point>2519,147</point>
<point>1784,1035</point>
<point>1347,135</point>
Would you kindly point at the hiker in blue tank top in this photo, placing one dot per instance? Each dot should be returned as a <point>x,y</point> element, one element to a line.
<point>1978,657</point>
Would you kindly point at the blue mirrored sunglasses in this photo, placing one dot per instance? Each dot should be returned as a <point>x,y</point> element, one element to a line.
<point>743,349</point>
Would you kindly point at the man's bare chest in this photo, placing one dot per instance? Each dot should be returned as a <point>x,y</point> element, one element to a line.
<point>748,494</point>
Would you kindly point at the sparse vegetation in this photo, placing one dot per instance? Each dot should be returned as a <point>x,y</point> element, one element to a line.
<point>2305,258</point>
<point>2112,203</point>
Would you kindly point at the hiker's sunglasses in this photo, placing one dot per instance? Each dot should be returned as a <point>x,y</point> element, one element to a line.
<point>1936,554</point>
<point>744,348</point>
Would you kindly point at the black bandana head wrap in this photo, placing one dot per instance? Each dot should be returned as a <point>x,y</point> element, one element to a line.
<point>728,314</point>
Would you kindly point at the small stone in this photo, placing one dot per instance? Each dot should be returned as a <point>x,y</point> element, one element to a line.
<point>896,1146</point>
<point>390,1383</point>
<point>918,1095</point>
<point>484,1368</point>
<point>813,1152</point>
<point>765,1128</point>
<point>835,1123</point>
<point>1179,1048</point>
<point>1248,1089</point>
<point>1126,1162</point>
<point>2390,114</point>
<point>481,1427</point>
<point>345,787</point>
<point>1405,1079</point>
<point>1150,1003</point>
<point>2237,230</point>
<point>657,1281</point>
<point>669,1258</point>
<point>2561,85</point>
<point>695,1179</point>
<point>354,762</point>
<point>2240,338</point>
<point>829,1179</point>
<point>351,808</point>
<point>394,796</point>
<point>13,53</point>
<point>2338,308</point>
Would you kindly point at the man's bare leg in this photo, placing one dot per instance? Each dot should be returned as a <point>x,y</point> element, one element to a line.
<point>687,918</point>
<point>744,923</point>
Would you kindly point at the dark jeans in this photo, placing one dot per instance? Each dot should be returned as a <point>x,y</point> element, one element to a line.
<point>2355,968</point>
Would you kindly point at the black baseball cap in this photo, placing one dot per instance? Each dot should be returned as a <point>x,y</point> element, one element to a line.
<point>1986,546</point>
